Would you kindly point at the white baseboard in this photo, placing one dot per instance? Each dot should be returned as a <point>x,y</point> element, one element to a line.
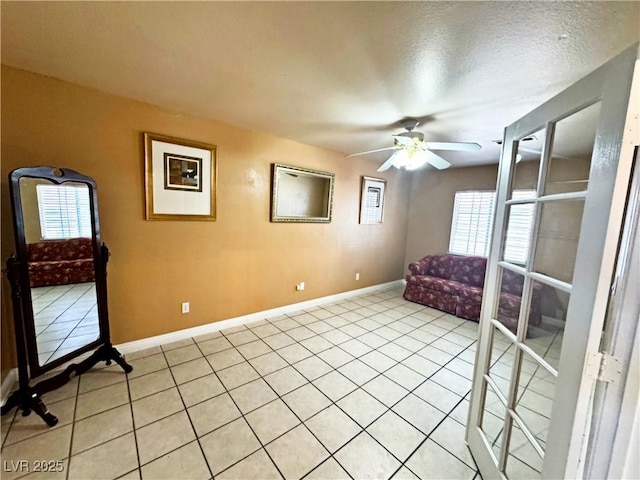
<point>8,384</point>
<point>149,342</point>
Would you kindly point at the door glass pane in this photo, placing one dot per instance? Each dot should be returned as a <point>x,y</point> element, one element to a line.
<point>535,397</point>
<point>547,315</point>
<point>523,461</point>
<point>527,166</point>
<point>510,296</point>
<point>573,142</point>
<point>502,358</point>
<point>492,422</point>
<point>558,234</point>
<point>520,219</point>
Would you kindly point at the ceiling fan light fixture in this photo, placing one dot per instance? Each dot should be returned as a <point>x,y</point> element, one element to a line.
<point>417,160</point>
<point>412,152</point>
<point>401,158</point>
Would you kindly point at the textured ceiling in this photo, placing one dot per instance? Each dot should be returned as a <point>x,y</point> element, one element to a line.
<point>339,75</point>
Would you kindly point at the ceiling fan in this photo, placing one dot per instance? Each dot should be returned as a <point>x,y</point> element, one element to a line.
<point>411,151</point>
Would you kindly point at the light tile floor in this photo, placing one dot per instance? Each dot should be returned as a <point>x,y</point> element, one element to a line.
<point>370,387</point>
<point>65,318</point>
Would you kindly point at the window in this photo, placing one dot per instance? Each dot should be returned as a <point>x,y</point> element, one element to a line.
<point>516,244</point>
<point>64,211</point>
<point>472,220</point>
<point>471,226</point>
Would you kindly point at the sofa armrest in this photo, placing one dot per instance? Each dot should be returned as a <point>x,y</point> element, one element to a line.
<point>420,267</point>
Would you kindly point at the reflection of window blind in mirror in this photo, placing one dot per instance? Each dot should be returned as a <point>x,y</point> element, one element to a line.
<point>64,211</point>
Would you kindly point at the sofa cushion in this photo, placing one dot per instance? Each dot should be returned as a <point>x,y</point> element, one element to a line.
<point>436,284</point>
<point>442,301</point>
<point>56,250</point>
<point>512,282</point>
<point>440,266</point>
<point>61,272</point>
<point>509,302</point>
<point>471,293</point>
<point>459,268</point>
<point>469,270</point>
<point>420,267</point>
<point>59,262</point>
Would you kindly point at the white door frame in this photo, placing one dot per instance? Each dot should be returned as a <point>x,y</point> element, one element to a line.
<point>611,452</point>
<point>595,261</point>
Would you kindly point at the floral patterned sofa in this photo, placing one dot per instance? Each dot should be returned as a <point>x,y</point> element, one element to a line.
<point>60,262</point>
<point>454,284</point>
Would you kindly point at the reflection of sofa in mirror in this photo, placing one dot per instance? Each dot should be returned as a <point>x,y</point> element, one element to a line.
<point>60,262</point>
<point>454,284</point>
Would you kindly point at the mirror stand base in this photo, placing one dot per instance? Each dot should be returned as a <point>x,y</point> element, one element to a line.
<point>29,398</point>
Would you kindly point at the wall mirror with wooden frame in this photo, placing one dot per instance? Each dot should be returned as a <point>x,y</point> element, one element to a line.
<point>301,194</point>
<point>58,281</point>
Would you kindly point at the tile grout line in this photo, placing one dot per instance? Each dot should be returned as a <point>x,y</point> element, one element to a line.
<point>379,372</point>
<point>186,411</point>
<point>278,397</point>
<point>332,403</point>
<point>387,409</point>
<point>58,316</point>
<point>235,348</point>
<point>133,424</point>
<point>73,427</point>
<point>242,415</point>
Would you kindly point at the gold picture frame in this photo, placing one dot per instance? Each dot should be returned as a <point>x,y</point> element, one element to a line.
<point>301,195</point>
<point>180,179</point>
<point>372,200</point>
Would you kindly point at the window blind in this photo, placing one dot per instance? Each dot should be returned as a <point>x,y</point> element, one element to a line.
<point>472,220</point>
<point>64,211</point>
<point>517,241</point>
<point>471,224</point>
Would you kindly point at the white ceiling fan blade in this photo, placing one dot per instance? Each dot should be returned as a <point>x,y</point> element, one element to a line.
<point>461,146</point>
<point>371,151</point>
<point>436,160</point>
<point>389,163</point>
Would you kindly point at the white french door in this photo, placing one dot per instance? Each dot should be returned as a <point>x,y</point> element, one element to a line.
<point>534,381</point>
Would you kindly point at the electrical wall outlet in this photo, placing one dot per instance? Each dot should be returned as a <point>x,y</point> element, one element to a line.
<point>185,307</point>
<point>300,286</point>
<point>357,276</point>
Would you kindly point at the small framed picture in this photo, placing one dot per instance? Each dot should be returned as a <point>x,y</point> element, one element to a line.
<point>180,179</point>
<point>182,172</point>
<point>372,200</point>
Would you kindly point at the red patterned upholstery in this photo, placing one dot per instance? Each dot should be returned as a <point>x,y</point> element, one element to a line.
<point>438,284</point>
<point>466,270</point>
<point>60,262</point>
<point>442,301</point>
<point>454,284</point>
<point>472,293</point>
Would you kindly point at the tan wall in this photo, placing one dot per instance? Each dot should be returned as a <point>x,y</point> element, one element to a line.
<point>240,263</point>
<point>431,209</point>
<point>29,197</point>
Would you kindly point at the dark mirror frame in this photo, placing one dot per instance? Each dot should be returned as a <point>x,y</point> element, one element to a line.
<point>27,397</point>
<point>99,263</point>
